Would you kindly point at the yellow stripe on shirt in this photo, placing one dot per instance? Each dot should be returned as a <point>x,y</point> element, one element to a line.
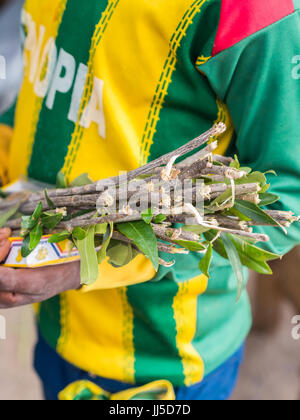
<point>106,335</point>
<point>49,17</point>
<point>166,79</point>
<point>185,312</point>
<point>130,80</point>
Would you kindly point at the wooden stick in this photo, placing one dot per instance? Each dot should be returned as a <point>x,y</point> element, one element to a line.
<point>202,154</point>
<point>223,159</point>
<point>224,171</point>
<point>146,169</point>
<point>172,235</point>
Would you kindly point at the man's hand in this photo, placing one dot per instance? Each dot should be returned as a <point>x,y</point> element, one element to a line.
<point>20,287</point>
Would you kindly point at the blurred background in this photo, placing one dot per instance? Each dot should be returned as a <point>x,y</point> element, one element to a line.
<point>271,370</point>
<point>10,49</point>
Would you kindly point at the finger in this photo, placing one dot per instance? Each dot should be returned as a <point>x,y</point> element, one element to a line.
<point>13,300</point>
<point>4,248</point>
<point>5,233</point>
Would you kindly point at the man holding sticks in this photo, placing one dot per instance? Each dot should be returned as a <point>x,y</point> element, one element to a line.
<point>110,86</point>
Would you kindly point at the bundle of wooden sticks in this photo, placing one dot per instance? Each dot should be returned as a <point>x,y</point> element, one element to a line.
<point>175,204</point>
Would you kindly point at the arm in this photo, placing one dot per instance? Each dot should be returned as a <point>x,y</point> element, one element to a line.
<point>27,286</point>
<point>257,80</point>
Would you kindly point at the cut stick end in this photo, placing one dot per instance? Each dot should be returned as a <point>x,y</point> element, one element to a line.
<point>220,128</point>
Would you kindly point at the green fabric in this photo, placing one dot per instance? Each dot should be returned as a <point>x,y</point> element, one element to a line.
<point>49,320</point>
<point>222,324</point>
<point>297,4</point>
<point>190,101</point>
<point>264,99</point>
<point>155,331</point>
<point>8,117</point>
<point>54,134</point>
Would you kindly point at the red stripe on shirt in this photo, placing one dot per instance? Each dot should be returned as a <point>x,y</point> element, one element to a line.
<point>242,18</point>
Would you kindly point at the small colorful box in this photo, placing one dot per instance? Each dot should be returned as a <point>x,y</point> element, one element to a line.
<point>45,254</point>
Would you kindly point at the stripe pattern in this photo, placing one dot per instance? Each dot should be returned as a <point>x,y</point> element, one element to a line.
<point>185,312</point>
<point>144,331</point>
<point>28,103</point>
<point>166,78</point>
<point>79,130</point>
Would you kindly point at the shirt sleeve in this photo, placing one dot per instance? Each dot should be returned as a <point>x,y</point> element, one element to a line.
<point>258,78</point>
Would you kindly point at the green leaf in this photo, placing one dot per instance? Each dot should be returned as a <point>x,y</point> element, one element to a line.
<point>260,267</point>
<point>254,212</point>
<point>252,251</point>
<point>37,212</point>
<point>233,211</point>
<point>49,201</point>
<point>191,245</point>
<point>147,216</point>
<point>120,255</point>
<point>216,163</point>
<point>61,181</point>
<point>27,224</point>
<point>89,263</point>
<point>253,178</point>
<point>102,254</point>
<point>266,199</point>
<point>235,164</point>
<point>236,263</point>
<point>81,181</point>
<point>59,237</point>
<point>160,218</point>
<point>205,263</point>
<point>79,233</point>
<point>35,236</point>
<point>30,222</point>
<point>25,250</point>
<point>198,229</point>
<point>272,172</point>
<point>265,188</point>
<point>51,220</point>
<point>143,237</point>
<point>246,169</point>
<point>225,196</point>
<point>6,215</point>
<point>101,229</point>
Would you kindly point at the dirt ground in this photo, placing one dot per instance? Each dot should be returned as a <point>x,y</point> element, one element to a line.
<point>271,370</point>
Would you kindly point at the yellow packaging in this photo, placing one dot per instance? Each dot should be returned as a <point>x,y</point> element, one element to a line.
<point>45,254</point>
